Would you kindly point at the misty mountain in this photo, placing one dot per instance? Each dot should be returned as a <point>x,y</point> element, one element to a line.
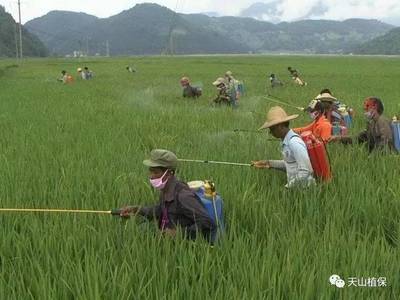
<point>32,46</point>
<point>211,14</point>
<point>62,30</point>
<point>153,29</point>
<point>310,36</point>
<point>388,44</point>
<point>143,29</point>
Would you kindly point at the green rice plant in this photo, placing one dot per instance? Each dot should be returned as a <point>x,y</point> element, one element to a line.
<point>81,146</point>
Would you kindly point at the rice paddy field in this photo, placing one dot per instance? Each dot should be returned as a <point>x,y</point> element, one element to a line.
<point>81,146</point>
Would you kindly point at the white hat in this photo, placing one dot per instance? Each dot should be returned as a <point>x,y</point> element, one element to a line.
<point>326,97</point>
<point>219,81</point>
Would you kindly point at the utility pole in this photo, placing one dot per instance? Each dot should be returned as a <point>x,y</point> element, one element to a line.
<point>20,29</point>
<point>87,46</point>
<point>16,41</point>
<point>107,49</point>
<point>171,44</point>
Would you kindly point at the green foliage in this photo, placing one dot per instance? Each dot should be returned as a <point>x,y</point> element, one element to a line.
<point>81,146</point>
<point>32,46</point>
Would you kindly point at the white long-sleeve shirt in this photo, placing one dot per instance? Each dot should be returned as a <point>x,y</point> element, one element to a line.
<point>296,161</point>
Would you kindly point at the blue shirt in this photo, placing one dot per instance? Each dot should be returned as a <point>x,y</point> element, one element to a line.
<point>296,161</point>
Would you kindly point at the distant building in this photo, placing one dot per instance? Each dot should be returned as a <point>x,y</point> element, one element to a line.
<point>77,53</point>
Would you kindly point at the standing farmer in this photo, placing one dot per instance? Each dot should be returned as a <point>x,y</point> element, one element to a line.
<point>296,161</point>
<point>178,205</point>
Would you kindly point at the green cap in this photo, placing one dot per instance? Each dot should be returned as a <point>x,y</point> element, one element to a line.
<point>161,158</point>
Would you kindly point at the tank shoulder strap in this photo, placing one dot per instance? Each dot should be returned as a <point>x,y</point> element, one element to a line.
<point>180,186</point>
<point>295,135</point>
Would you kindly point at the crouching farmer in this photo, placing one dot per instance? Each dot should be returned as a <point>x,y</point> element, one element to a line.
<point>378,134</point>
<point>296,162</point>
<point>189,91</point>
<point>178,205</point>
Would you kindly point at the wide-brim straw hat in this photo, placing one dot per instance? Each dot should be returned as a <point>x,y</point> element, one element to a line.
<point>325,97</point>
<point>276,115</point>
<point>219,81</point>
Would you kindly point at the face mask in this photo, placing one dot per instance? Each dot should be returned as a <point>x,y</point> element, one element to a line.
<point>314,115</point>
<point>369,115</point>
<point>158,183</point>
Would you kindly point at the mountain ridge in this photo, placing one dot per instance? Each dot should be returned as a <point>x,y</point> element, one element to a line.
<point>32,46</point>
<point>388,44</point>
<point>154,29</point>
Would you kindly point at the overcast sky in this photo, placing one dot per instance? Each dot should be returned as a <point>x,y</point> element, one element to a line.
<point>386,10</point>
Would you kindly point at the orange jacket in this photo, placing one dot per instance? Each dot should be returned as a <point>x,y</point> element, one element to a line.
<point>321,129</point>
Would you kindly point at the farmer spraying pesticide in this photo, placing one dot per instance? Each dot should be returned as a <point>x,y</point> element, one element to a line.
<point>87,74</point>
<point>296,161</point>
<point>131,69</point>
<point>65,77</point>
<point>336,112</point>
<point>178,205</point>
<point>378,135</point>
<point>275,82</point>
<point>321,128</point>
<point>188,90</point>
<point>234,87</point>
<point>223,96</point>
<point>296,77</point>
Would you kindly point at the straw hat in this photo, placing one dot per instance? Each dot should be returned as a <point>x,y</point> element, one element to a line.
<point>219,81</point>
<point>276,115</point>
<point>184,80</point>
<point>79,70</point>
<point>228,73</point>
<point>325,97</point>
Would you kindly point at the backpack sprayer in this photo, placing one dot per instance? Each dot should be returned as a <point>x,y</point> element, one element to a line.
<point>213,203</point>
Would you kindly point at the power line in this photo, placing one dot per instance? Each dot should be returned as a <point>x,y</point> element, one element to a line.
<point>170,47</point>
